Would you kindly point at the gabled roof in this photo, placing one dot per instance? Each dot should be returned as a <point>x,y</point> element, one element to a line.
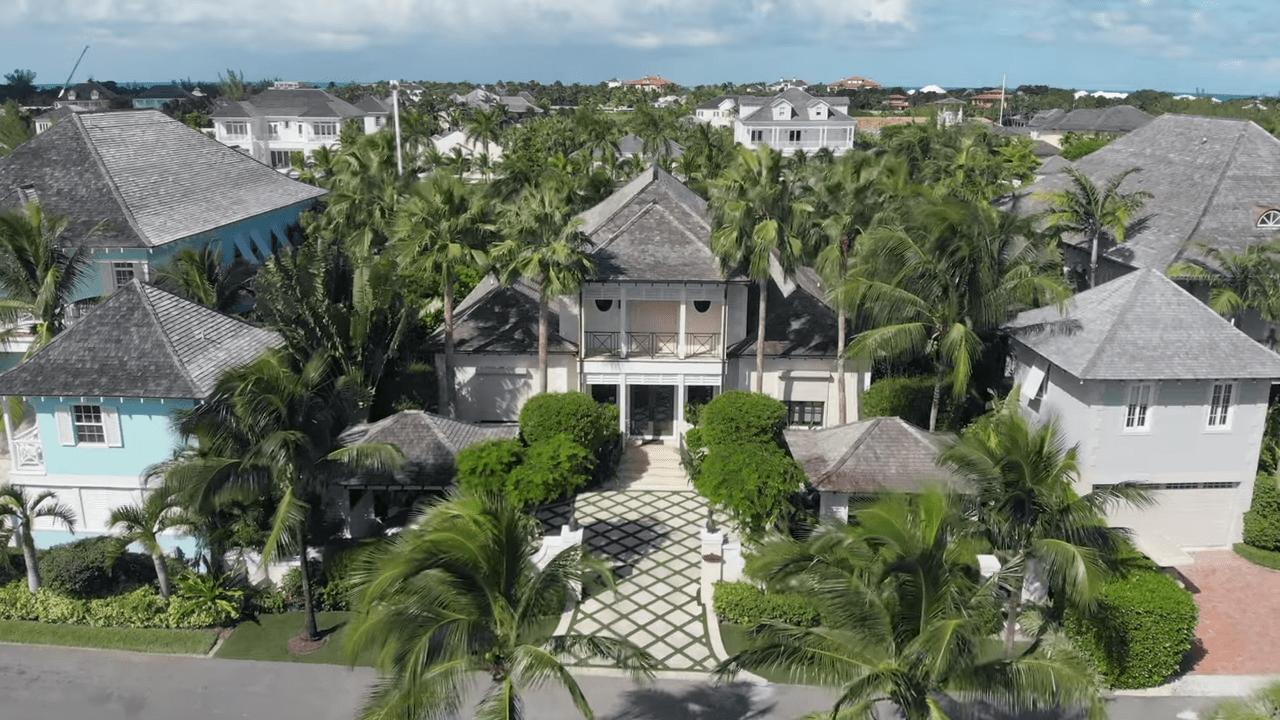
<point>653,228</point>
<point>1114,119</point>
<point>629,145</point>
<point>504,320</point>
<point>141,343</point>
<point>150,178</point>
<point>1211,178</point>
<point>373,106</point>
<point>715,102</point>
<point>1053,165</point>
<point>802,104</point>
<point>165,92</point>
<point>290,103</point>
<point>1142,326</point>
<point>84,91</point>
<point>430,443</point>
<point>883,454</point>
<point>799,321</point>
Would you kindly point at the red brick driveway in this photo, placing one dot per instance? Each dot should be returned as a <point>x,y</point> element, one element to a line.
<point>1239,614</point>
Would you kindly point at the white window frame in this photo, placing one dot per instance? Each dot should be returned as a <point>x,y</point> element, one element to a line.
<point>288,159</point>
<point>318,129</point>
<point>1138,412</point>
<point>1269,220</point>
<point>236,130</point>
<point>757,136</point>
<point>1221,406</point>
<point>795,136</point>
<point>804,409</point>
<point>122,266</point>
<point>82,420</point>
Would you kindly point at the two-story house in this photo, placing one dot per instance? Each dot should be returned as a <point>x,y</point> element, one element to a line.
<point>137,186</point>
<point>100,398</point>
<point>658,325</point>
<point>289,118</point>
<point>652,83</point>
<point>1155,388</point>
<point>156,97</point>
<point>854,82</point>
<point>88,95</point>
<point>795,120</point>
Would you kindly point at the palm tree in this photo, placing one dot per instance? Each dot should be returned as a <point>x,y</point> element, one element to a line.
<point>19,511</point>
<point>941,285</point>
<point>144,523</point>
<point>849,194</point>
<point>906,620</point>
<point>1095,212</point>
<point>439,229</point>
<point>542,244</point>
<point>1261,705</point>
<point>486,125</point>
<point>199,275</point>
<point>458,593</point>
<point>1021,477</point>
<point>1238,281</point>
<point>271,430</point>
<point>754,214</point>
<point>41,271</point>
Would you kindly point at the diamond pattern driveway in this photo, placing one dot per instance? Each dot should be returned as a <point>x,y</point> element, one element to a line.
<point>652,538</point>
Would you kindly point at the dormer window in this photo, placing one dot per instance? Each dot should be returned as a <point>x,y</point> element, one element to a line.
<point>1269,220</point>
<point>93,95</point>
<point>71,95</point>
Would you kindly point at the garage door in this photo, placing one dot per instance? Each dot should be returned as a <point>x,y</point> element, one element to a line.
<point>494,395</point>
<point>1188,515</point>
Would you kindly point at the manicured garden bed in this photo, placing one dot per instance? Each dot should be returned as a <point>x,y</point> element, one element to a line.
<point>184,642</point>
<point>737,638</point>
<point>1258,556</point>
<point>267,638</point>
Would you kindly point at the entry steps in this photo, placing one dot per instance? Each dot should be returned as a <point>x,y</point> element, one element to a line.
<point>651,466</point>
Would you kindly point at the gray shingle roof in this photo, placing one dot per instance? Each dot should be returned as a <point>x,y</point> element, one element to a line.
<point>884,454</point>
<point>1055,164</point>
<point>1115,119</point>
<point>165,92</point>
<point>652,228</point>
<point>430,444</point>
<point>802,104</point>
<point>152,179</point>
<point>1142,326</point>
<point>1211,178</point>
<point>141,343</point>
<point>373,106</point>
<point>629,145</point>
<point>504,320</point>
<point>297,102</point>
<point>799,323</point>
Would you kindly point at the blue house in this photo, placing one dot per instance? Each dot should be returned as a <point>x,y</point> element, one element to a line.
<point>156,97</point>
<point>150,186</point>
<point>100,398</point>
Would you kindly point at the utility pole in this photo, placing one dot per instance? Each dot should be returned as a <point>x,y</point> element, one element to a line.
<point>395,114</point>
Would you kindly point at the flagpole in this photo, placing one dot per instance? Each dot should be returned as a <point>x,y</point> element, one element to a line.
<point>395,113</point>
<point>1003,81</point>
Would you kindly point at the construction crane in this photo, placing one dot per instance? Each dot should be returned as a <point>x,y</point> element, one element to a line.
<point>73,71</point>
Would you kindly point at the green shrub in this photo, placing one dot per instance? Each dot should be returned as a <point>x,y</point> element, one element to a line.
<point>14,568</point>
<point>909,398</point>
<point>742,603</point>
<point>291,583</point>
<point>552,469</point>
<point>204,601</point>
<point>1262,521</point>
<point>755,483</point>
<point>739,417</point>
<point>94,567</point>
<point>140,608</point>
<point>1138,633</point>
<point>487,465</point>
<point>266,599</point>
<point>574,414</point>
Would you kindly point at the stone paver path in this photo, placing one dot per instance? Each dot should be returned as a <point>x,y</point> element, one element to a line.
<point>1239,614</point>
<point>652,538</point>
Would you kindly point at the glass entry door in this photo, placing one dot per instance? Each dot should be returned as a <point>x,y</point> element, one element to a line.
<point>652,410</point>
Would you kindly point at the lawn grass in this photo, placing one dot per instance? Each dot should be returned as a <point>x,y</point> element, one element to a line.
<point>267,637</point>
<point>737,638</point>
<point>1258,556</point>
<point>185,642</point>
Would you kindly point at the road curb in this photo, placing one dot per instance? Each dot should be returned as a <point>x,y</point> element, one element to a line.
<point>1204,686</point>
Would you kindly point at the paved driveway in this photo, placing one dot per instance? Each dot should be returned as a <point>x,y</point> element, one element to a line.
<point>1239,614</point>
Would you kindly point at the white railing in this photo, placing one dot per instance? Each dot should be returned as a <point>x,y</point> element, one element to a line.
<point>28,453</point>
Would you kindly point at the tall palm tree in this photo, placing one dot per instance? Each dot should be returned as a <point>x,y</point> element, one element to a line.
<point>906,620</point>
<point>458,593</point>
<point>940,285</point>
<point>485,125</point>
<point>543,245</point>
<point>755,213</point>
<point>41,270</point>
<point>271,430</point>
<point>19,511</point>
<point>439,229</point>
<point>1094,211</point>
<point>199,275</point>
<point>849,195</point>
<point>1021,477</point>
<point>143,523</point>
<point>1238,281</point>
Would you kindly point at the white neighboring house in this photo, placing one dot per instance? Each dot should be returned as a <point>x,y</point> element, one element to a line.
<point>795,120</point>
<point>446,143</point>
<point>659,325</point>
<point>1155,388</point>
<point>287,118</point>
<point>718,111</point>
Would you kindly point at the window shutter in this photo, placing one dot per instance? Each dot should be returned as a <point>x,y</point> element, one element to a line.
<point>66,432</point>
<point>143,271</point>
<point>111,426</point>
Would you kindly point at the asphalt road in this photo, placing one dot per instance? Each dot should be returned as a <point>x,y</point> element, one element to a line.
<point>38,683</point>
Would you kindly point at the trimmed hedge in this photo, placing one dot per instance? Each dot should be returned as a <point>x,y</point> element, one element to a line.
<point>1262,521</point>
<point>486,465</point>
<point>141,608</point>
<point>94,568</point>
<point>739,417</point>
<point>742,603</point>
<point>909,398</point>
<point>755,483</point>
<point>574,414</point>
<point>1140,630</point>
<point>552,469</point>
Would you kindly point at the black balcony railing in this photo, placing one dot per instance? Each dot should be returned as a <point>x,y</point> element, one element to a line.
<point>701,344</point>
<point>651,344</point>
<point>642,344</point>
<point>602,343</point>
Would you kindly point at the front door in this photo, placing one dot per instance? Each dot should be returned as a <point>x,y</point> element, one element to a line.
<point>652,410</point>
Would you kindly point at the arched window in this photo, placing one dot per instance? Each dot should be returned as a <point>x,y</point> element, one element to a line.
<point>702,305</point>
<point>1270,220</point>
<point>604,305</point>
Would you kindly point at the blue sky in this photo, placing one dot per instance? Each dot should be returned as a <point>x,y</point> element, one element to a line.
<point>1226,46</point>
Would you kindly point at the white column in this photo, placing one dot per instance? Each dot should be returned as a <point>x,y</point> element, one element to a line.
<point>824,136</point>
<point>680,396</point>
<point>622,323</point>
<point>624,402</point>
<point>8,431</point>
<point>682,347</point>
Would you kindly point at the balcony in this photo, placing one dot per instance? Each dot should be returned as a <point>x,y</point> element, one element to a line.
<point>651,344</point>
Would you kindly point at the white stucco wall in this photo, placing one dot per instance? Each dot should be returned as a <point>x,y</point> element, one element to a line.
<point>812,379</point>
<point>492,388</point>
